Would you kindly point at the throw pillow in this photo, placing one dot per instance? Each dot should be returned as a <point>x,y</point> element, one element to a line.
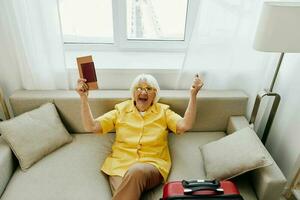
<point>234,154</point>
<point>35,134</point>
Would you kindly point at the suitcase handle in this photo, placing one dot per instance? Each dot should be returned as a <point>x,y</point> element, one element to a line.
<point>202,183</point>
<point>194,189</point>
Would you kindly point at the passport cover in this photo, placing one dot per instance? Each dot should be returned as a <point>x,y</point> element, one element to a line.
<point>87,71</point>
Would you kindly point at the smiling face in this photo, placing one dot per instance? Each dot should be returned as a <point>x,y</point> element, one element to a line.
<point>144,96</point>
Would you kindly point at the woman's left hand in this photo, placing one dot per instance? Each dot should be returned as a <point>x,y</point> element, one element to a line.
<point>197,85</point>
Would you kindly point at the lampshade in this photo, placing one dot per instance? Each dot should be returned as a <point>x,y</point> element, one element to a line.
<point>278,29</point>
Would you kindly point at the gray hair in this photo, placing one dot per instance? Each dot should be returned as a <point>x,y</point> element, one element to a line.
<point>150,80</point>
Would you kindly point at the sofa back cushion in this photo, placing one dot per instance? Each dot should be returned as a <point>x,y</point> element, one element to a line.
<point>214,107</point>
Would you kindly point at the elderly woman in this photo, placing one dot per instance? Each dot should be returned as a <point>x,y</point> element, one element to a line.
<point>140,156</point>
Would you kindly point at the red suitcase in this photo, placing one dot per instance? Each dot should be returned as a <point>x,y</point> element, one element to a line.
<point>200,189</point>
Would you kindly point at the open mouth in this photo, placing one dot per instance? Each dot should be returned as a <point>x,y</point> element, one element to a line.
<point>143,99</point>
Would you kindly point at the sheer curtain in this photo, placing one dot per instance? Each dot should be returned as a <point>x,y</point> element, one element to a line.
<point>221,48</point>
<point>36,42</point>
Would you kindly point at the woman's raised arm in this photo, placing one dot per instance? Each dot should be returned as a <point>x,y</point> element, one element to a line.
<point>190,114</point>
<point>89,122</point>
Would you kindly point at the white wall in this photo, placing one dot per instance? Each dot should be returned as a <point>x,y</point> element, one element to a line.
<point>284,138</point>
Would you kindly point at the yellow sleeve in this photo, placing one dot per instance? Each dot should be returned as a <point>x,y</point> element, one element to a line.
<point>172,119</point>
<point>108,121</point>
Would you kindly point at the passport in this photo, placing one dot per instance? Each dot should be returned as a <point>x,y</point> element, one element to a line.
<point>87,71</point>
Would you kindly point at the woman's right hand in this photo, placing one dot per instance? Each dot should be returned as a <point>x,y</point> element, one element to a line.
<point>82,88</point>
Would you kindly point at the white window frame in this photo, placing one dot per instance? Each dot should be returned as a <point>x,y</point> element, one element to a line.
<point>120,34</point>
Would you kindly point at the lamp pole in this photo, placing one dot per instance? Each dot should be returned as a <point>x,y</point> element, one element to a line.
<point>276,72</point>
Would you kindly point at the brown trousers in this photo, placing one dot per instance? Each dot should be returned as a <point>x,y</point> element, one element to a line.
<point>138,178</point>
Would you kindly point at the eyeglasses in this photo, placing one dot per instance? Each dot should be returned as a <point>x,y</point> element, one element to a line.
<point>146,89</point>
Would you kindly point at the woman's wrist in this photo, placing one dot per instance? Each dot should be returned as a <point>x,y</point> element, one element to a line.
<point>193,95</point>
<point>83,98</point>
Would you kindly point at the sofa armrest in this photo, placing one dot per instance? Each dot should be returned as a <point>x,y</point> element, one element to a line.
<point>235,123</point>
<point>268,182</point>
<point>7,165</point>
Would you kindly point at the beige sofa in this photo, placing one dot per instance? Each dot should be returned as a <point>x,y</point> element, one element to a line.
<point>72,172</point>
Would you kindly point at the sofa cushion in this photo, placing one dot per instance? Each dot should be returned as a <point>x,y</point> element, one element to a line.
<point>35,134</point>
<point>71,172</point>
<point>234,154</point>
<point>214,106</point>
<point>187,162</point>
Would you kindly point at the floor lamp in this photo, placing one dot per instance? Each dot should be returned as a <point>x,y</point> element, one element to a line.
<point>278,30</point>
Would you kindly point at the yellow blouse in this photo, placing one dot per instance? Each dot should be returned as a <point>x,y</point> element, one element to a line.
<point>139,138</point>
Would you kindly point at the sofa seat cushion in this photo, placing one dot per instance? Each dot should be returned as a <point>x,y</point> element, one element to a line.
<point>72,172</point>
<point>187,162</point>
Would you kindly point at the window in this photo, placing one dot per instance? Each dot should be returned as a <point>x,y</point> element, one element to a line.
<point>164,25</point>
<point>154,20</point>
<point>86,21</point>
